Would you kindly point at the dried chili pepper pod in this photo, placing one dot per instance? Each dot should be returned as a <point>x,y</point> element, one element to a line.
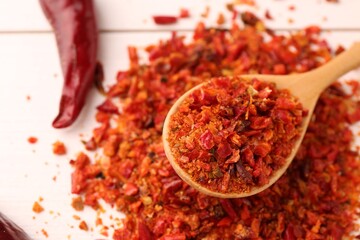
<point>76,32</point>
<point>10,231</point>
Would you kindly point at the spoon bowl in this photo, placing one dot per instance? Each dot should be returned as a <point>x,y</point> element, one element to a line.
<point>306,86</point>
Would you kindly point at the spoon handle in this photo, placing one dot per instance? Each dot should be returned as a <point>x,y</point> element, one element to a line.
<point>328,73</point>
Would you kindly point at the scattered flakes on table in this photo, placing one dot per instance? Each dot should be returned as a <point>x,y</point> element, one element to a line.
<point>32,140</point>
<point>77,203</point>
<point>245,2</point>
<point>268,15</point>
<point>206,12</point>
<point>44,232</point>
<point>83,226</point>
<point>221,19</point>
<point>59,148</point>
<point>184,13</point>
<point>230,7</point>
<point>37,208</point>
<point>292,8</point>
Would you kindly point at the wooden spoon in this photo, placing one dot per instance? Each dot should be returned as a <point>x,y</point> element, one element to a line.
<point>306,86</point>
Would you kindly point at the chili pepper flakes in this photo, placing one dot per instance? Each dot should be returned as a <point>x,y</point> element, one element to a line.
<point>268,15</point>
<point>37,208</point>
<point>316,198</point>
<point>59,148</point>
<point>83,226</point>
<point>245,2</point>
<point>220,19</point>
<point>44,232</point>
<point>77,203</point>
<point>206,12</point>
<point>32,140</point>
<point>184,13</point>
<point>291,8</point>
<point>232,134</point>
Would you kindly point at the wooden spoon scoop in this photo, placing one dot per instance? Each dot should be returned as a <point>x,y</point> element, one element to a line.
<point>306,86</point>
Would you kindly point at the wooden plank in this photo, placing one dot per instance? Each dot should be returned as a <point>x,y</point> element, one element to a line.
<point>136,15</point>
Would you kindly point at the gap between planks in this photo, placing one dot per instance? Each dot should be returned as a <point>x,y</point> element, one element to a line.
<point>109,31</point>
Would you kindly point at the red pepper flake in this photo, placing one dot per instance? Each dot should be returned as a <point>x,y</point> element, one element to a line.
<point>292,8</point>
<point>333,1</point>
<point>164,20</point>
<point>59,148</point>
<point>83,226</point>
<point>234,15</point>
<point>221,19</point>
<point>245,2</point>
<point>44,232</point>
<point>105,231</point>
<point>184,13</point>
<point>32,140</point>
<point>37,208</point>
<point>98,222</point>
<point>323,178</point>
<point>77,203</point>
<point>268,15</point>
<point>108,107</point>
<point>90,145</point>
<point>230,7</point>
<point>279,69</point>
<point>355,86</point>
<point>213,154</point>
<point>28,97</point>
<point>249,18</point>
<point>206,12</point>
<point>339,50</point>
<point>312,30</point>
<point>290,20</point>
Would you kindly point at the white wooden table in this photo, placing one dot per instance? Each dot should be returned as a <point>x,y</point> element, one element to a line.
<point>29,66</point>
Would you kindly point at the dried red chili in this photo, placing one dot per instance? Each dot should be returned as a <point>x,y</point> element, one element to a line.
<point>316,198</point>
<point>233,134</point>
<point>76,34</point>
<point>10,231</point>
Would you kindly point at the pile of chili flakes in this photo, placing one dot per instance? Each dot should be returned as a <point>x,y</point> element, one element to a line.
<point>318,196</point>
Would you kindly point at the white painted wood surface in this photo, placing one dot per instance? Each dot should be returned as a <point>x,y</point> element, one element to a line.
<point>124,15</point>
<point>30,67</point>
